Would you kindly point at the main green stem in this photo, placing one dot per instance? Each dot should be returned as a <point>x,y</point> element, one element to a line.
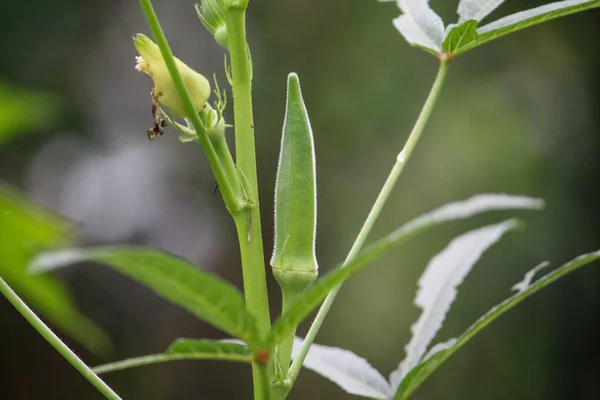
<point>384,194</point>
<point>248,222</point>
<point>244,209</point>
<point>55,342</point>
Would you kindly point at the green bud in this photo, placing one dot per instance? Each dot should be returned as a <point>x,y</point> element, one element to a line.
<point>212,121</point>
<point>152,63</point>
<point>215,127</point>
<point>211,13</point>
<point>238,3</point>
<point>294,262</point>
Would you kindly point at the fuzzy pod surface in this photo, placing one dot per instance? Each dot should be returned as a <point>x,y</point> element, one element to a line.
<point>294,261</point>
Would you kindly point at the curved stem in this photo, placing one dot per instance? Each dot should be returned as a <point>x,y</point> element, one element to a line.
<point>55,342</point>
<point>384,194</point>
<point>230,185</point>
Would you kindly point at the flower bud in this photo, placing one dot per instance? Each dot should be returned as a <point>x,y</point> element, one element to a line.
<point>212,121</point>
<point>152,63</point>
<point>211,13</point>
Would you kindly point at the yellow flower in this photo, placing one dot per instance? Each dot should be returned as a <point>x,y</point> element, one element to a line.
<point>152,63</point>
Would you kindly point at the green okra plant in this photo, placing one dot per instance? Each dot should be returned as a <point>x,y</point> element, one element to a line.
<point>181,98</point>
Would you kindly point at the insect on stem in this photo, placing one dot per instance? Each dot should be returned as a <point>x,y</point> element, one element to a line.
<point>159,121</point>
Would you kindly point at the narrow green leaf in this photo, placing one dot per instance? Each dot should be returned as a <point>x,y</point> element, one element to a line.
<point>460,36</point>
<point>203,294</point>
<point>26,228</point>
<point>525,19</point>
<point>23,111</point>
<point>306,303</point>
<point>224,348</point>
<point>296,188</point>
<point>422,371</point>
<point>185,349</point>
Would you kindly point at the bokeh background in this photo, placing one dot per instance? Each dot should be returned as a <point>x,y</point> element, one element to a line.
<point>520,115</point>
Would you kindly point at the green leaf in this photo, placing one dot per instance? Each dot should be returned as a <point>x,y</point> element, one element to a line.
<point>23,110</point>
<point>306,303</point>
<point>25,229</point>
<point>185,349</point>
<point>525,19</point>
<point>460,36</point>
<point>295,189</point>
<point>203,294</point>
<point>422,371</point>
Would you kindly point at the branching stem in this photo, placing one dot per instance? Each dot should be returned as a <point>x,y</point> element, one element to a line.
<point>382,198</point>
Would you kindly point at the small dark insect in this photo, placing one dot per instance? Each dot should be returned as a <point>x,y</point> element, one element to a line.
<point>215,188</point>
<point>159,122</point>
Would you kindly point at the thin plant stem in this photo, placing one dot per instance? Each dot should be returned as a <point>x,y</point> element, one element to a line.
<point>284,349</point>
<point>219,143</point>
<point>166,357</point>
<point>229,184</point>
<point>248,222</point>
<point>55,342</point>
<point>383,196</point>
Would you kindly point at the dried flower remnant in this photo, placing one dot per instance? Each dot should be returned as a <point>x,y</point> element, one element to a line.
<point>159,121</point>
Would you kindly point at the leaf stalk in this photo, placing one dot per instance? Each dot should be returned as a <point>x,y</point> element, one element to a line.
<point>382,198</point>
<point>55,342</point>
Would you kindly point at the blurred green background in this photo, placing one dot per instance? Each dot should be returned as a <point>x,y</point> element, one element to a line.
<point>520,115</point>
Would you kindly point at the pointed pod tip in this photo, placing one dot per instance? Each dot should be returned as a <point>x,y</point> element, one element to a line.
<point>293,76</point>
<point>293,85</point>
<point>293,80</point>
